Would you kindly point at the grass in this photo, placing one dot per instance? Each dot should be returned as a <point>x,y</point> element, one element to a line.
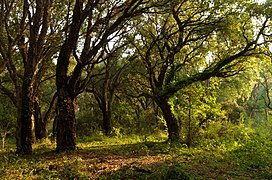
<point>140,158</point>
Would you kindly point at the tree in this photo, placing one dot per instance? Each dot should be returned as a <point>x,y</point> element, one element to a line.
<point>191,42</point>
<point>196,107</point>
<point>104,87</point>
<point>94,24</point>
<point>28,44</point>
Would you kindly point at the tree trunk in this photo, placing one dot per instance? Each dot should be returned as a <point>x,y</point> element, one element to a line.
<point>48,115</point>
<point>40,129</point>
<point>25,128</point>
<point>171,121</point>
<point>66,86</point>
<point>105,105</point>
<point>66,122</point>
<point>107,121</point>
<point>54,130</point>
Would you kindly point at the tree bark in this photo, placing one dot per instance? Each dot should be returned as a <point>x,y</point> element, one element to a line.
<point>26,133</point>
<point>66,86</point>
<point>105,107</point>
<point>66,122</point>
<point>171,121</point>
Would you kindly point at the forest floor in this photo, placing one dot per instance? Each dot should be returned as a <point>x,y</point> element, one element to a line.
<point>137,158</point>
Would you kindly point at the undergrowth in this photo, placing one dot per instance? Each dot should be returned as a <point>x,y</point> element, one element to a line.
<point>140,157</point>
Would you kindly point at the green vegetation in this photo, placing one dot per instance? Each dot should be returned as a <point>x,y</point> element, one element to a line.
<point>137,157</point>
<point>135,89</point>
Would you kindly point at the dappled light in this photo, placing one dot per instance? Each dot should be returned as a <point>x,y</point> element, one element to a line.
<point>144,160</point>
<point>136,89</point>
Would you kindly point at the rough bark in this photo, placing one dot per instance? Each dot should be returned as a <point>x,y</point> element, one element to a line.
<point>66,130</point>
<point>25,126</point>
<point>32,56</point>
<point>66,122</point>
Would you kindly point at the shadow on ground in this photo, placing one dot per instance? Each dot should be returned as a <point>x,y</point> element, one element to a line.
<point>146,160</point>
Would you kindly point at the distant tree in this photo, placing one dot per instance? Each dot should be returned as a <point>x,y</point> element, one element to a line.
<point>107,82</point>
<point>234,92</point>
<point>196,107</point>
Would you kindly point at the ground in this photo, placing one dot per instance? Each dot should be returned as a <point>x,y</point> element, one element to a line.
<point>136,158</point>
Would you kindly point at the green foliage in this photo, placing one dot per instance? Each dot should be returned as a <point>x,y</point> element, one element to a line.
<point>226,124</point>
<point>219,133</point>
<point>139,115</point>
<point>124,116</point>
<point>196,108</point>
<point>131,116</point>
<point>7,119</point>
<point>259,151</point>
<point>89,118</point>
<point>70,170</point>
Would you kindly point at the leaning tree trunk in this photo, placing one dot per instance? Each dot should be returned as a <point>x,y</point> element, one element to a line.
<point>66,122</point>
<point>171,121</point>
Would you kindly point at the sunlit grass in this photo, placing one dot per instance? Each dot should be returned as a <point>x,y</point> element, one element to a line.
<point>141,157</point>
